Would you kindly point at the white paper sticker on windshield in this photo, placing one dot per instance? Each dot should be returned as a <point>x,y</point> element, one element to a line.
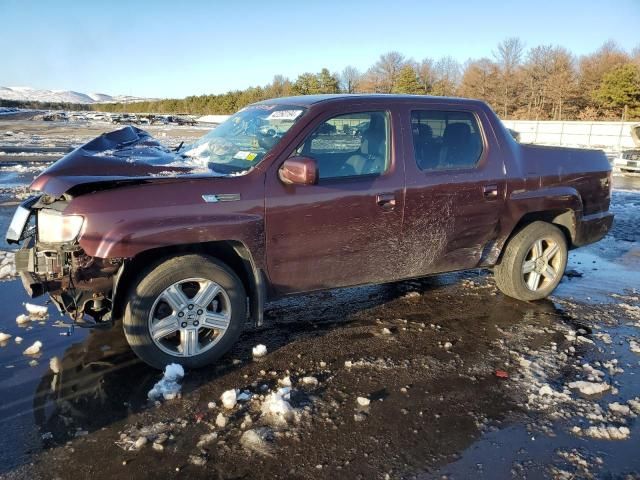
<point>242,155</point>
<point>284,115</point>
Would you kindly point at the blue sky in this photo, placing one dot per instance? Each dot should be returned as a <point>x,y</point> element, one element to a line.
<point>179,48</point>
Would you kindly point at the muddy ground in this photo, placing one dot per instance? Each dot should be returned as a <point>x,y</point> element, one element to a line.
<point>461,382</point>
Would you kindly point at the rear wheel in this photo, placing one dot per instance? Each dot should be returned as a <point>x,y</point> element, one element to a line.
<point>533,262</point>
<point>188,309</point>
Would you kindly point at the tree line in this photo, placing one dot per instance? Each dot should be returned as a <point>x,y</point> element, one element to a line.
<point>544,82</point>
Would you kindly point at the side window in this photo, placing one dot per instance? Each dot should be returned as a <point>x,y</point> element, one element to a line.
<point>350,145</point>
<point>444,140</point>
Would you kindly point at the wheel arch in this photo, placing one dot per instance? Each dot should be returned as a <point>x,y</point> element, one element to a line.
<point>233,253</point>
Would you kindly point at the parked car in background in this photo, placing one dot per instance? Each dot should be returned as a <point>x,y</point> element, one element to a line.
<point>628,161</point>
<point>187,245</point>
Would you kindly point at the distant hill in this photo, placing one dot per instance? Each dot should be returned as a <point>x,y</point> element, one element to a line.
<point>28,94</point>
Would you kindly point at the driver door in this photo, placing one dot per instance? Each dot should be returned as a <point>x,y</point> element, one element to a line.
<point>344,230</point>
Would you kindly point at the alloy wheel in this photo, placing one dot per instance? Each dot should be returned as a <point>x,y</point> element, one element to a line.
<point>189,317</point>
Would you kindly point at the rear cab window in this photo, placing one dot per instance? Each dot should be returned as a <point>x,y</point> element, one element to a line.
<point>350,145</point>
<point>445,140</point>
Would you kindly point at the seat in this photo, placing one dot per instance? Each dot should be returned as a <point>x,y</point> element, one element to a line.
<point>373,150</point>
<point>458,149</point>
<point>426,150</point>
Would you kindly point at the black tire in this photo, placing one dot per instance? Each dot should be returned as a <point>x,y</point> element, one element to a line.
<point>150,285</point>
<point>509,273</point>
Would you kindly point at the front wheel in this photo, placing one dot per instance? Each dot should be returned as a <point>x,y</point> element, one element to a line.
<point>189,309</point>
<point>533,262</point>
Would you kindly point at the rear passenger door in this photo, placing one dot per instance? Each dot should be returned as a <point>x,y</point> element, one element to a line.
<point>456,185</point>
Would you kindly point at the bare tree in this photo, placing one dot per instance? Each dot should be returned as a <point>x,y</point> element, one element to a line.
<point>349,79</point>
<point>481,79</point>
<point>536,71</point>
<point>561,82</point>
<point>426,74</point>
<point>446,76</point>
<point>508,57</point>
<point>387,69</point>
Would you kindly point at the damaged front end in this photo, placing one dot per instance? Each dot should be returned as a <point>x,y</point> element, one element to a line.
<point>52,261</point>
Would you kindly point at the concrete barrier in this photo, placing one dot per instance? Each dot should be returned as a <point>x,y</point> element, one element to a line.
<point>605,135</point>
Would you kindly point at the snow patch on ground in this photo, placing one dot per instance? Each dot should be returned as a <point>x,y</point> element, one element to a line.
<point>259,351</point>
<point>36,310</point>
<point>603,432</point>
<point>276,408</point>
<point>229,399</point>
<point>168,387</point>
<point>7,265</point>
<point>34,349</point>
<point>589,388</point>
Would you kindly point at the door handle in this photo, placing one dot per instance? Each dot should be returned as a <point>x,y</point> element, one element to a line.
<point>490,192</point>
<point>386,201</point>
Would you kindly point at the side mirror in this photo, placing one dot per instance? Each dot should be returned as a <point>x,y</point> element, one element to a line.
<point>299,171</point>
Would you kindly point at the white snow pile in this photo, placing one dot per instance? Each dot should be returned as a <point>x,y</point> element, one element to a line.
<point>276,409</point>
<point>310,381</point>
<point>589,388</point>
<point>135,438</point>
<point>168,387</point>
<point>221,420</point>
<point>259,351</point>
<point>257,440</point>
<point>620,409</point>
<point>4,337</point>
<point>7,265</point>
<point>229,399</point>
<point>603,432</point>
<point>34,349</point>
<point>36,311</point>
<point>634,346</point>
<point>206,439</point>
<point>634,404</point>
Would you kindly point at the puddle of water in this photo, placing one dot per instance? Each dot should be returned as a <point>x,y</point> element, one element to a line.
<point>99,381</point>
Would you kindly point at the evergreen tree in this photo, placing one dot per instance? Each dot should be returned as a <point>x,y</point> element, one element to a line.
<point>407,81</point>
<point>306,84</point>
<point>328,82</point>
<point>620,89</point>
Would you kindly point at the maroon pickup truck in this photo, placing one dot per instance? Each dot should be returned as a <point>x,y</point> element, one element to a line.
<point>293,195</point>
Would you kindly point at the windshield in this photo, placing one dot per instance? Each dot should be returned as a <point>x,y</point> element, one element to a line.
<point>243,140</point>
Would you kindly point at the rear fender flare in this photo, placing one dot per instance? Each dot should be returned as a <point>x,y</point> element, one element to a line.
<point>560,205</point>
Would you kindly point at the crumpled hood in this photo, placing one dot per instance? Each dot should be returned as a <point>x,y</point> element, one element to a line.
<point>124,155</point>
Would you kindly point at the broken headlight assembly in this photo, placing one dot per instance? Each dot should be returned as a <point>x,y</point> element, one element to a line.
<point>56,227</point>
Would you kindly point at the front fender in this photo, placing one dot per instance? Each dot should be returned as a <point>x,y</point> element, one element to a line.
<point>130,237</point>
<point>126,221</point>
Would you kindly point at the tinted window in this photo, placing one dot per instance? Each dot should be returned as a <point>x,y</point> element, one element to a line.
<point>445,140</point>
<point>349,145</point>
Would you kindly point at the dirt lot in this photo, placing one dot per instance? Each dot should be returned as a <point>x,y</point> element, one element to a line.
<point>460,382</point>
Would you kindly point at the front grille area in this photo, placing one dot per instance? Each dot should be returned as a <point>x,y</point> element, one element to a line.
<point>631,155</point>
